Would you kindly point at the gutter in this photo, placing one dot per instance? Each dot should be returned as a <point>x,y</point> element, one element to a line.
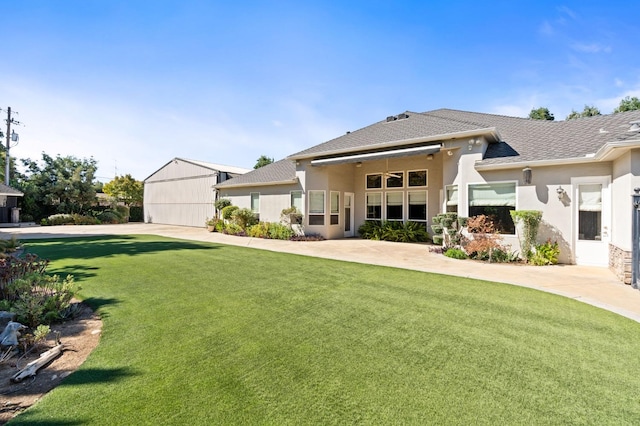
<point>247,184</point>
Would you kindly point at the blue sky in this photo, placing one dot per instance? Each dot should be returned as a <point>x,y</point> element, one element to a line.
<point>136,83</point>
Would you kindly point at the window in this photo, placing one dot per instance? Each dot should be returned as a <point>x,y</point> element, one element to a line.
<point>495,200</point>
<point>395,205</point>
<point>316,207</point>
<point>452,198</point>
<point>255,202</point>
<point>418,178</point>
<point>589,212</point>
<point>395,180</point>
<point>374,206</point>
<point>417,206</point>
<point>374,181</point>
<point>334,208</point>
<point>296,200</point>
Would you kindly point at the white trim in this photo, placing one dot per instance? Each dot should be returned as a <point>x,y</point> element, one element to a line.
<point>490,131</point>
<point>251,194</point>
<point>370,156</point>
<point>331,213</point>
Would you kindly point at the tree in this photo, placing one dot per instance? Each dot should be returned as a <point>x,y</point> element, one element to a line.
<point>628,104</point>
<point>59,185</point>
<point>125,189</point>
<point>588,111</point>
<point>263,161</point>
<point>541,114</point>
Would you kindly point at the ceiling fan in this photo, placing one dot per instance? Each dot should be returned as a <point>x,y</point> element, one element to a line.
<point>387,174</point>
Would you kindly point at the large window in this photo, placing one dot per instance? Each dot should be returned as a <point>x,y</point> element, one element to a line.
<point>395,205</point>
<point>494,200</point>
<point>589,212</point>
<point>316,207</point>
<point>417,206</point>
<point>374,205</point>
<point>334,208</point>
<point>296,200</point>
<point>452,198</point>
<point>255,204</point>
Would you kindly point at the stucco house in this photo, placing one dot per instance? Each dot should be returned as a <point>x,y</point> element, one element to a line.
<point>409,167</point>
<point>182,192</point>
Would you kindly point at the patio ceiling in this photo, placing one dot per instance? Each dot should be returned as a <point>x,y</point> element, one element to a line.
<point>380,155</point>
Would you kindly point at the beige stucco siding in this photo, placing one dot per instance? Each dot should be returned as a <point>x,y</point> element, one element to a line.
<point>273,199</point>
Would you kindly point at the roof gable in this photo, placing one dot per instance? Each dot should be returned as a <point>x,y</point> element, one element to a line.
<point>279,172</point>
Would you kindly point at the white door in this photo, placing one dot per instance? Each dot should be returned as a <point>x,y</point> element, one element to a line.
<point>348,215</point>
<point>591,213</point>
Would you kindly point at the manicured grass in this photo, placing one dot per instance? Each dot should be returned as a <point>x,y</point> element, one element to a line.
<point>203,334</point>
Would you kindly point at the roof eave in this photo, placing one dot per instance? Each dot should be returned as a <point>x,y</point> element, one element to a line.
<point>249,184</point>
<point>611,150</point>
<point>490,131</point>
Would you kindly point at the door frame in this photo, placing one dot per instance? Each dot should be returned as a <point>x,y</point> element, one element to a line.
<point>349,196</point>
<point>598,249</point>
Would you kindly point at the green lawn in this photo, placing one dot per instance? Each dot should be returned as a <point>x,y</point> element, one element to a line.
<point>204,334</point>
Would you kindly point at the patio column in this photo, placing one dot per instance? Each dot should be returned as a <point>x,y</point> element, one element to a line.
<point>635,237</point>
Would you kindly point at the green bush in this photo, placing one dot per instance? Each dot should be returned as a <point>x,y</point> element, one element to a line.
<point>530,221</point>
<point>221,203</point>
<point>123,212</point>
<point>260,230</point>
<point>110,216</point>
<point>136,214</point>
<point>244,218</point>
<point>456,253</point>
<point>437,239</point>
<point>60,219</point>
<point>394,231</point>
<point>79,219</point>
<point>545,254</point>
<point>227,212</point>
<point>41,299</point>
<point>234,229</point>
<point>279,231</point>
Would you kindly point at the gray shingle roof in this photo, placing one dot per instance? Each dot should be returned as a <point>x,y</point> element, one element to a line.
<point>382,133</point>
<point>521,139</point>
<point>280,172</point>
<point>7,190</point>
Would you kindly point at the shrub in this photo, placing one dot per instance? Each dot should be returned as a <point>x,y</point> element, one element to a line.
<point>278,231</point>
<point>370,230</point>
<point>109,216</point>
<point>136,214</point>
<point>437,239</point>
<point>123,212</point>
<point>530,221</point>
<point>60,219</point>
<point>244,218</point>
<point>42,298</point>
<point>485,239</point>
<point>545,254</point>
<point>227,212</point>
<point>260,230</point>
<point>79,219</point>
<point>234,229</point>
<point>26,218</point>
<point>456,253</point>
<point>394,231</point>
<point>221,203</point>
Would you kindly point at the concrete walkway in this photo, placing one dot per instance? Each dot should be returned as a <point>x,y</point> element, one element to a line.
<point>592,285</point>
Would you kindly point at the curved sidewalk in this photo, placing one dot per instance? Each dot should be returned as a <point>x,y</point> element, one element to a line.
<point>592,285</point>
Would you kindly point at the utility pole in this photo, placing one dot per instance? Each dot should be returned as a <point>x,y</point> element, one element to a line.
<point>10,137</point>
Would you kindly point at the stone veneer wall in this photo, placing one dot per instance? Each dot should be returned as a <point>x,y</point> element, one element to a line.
<point>620,263</point>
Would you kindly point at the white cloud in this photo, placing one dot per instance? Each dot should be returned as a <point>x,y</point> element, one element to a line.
<point>591,48</point>
<point>546,29</point>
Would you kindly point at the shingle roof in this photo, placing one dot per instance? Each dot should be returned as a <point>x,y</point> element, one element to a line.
<point>382,133</point>
<point>521,139</point>
<point>280,172</point>
<point>7,190</point>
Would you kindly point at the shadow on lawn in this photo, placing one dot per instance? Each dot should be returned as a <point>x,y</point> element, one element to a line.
<point>107,246</point>
<point>78,271</point>
<point>49,422</point>
<point>97,375</point>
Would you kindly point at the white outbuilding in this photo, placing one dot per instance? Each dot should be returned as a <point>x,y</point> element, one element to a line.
<point>182,191</point>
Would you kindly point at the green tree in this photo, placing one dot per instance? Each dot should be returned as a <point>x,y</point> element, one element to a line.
<point>263,161</point>
<point>541,114</point>
<point>125,189</point>
<point>58,185</point>
<point>588,111</point>
<point>628,104</point>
